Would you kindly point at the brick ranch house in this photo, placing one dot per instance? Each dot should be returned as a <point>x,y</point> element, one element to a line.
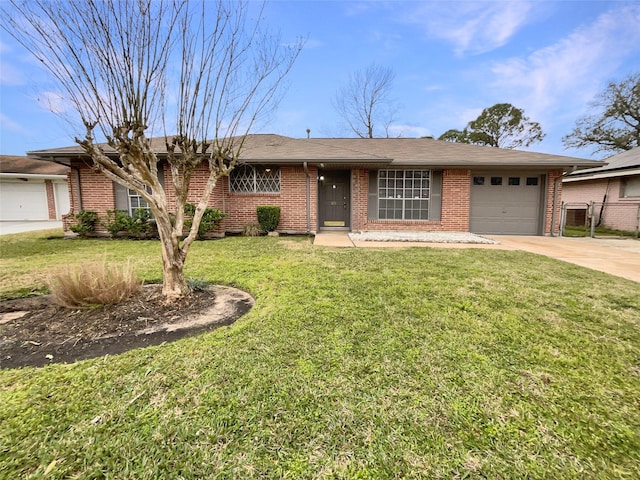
<point>614,190</point>
<point>410,184</point>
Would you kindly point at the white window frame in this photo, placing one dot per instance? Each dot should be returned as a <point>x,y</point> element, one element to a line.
<point>132,195</point>
<point>404,193</point>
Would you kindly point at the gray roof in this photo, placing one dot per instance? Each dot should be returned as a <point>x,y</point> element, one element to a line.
<point>615,165</point>
<point>30,166</point>
<point>269,148</point>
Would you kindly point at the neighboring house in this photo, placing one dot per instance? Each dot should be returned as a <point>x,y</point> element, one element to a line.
<point>32,189</point>
<point>614,189</point>
<point>412,184</point>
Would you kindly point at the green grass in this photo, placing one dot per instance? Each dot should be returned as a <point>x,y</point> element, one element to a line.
<point>572,231</point>
<point>354,363</point>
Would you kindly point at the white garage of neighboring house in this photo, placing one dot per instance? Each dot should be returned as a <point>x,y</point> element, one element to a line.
<point>32,189</point>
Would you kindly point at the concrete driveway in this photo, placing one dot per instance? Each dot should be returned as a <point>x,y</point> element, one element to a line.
<point>7,227</point>
<point>620,257</point>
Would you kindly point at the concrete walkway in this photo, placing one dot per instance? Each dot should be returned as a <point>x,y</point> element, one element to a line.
<point>620,257</point>
<point>7,227</point>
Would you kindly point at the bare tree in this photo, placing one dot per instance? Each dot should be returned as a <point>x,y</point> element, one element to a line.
<point>200,74</point>
<point>365,102</point>
<point>615,125</point>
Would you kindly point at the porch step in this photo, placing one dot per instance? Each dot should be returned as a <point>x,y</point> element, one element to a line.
<point>333,239</point>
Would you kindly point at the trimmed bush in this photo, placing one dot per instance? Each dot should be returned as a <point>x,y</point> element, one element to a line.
<point>92,284</point>
<point>268,217</point>
<point>85,222</point>
<point>211,219</point>
<point>117,221</point>
<point>141,224</point>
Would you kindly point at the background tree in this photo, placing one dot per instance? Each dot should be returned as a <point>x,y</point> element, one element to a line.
<point>365,102</point>
<point>200,74</point>
<point>501,125</point>
<point>456,136</point>
<point>615,126</point>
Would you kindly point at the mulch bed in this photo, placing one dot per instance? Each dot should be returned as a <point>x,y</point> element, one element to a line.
<point>34,331</point>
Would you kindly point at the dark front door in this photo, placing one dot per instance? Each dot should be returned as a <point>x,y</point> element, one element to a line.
<point>334,198</point>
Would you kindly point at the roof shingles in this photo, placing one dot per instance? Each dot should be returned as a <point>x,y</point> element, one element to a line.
<point>395,151</point>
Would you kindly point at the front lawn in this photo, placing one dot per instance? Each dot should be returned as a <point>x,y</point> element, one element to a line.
<point>354,363</point>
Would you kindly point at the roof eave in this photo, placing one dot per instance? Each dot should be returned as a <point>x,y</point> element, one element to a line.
<point>603,174</point>
<point>32,176</point>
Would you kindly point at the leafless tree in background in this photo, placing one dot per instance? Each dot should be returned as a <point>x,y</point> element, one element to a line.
<point>365,102</point>
<point>615,125</point>
<point>198,73</point>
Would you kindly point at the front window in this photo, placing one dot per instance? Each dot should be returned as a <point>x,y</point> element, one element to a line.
<point>631,188</point>
<point>136,201</point>
<point>254,179</point>
<point>403,194</point>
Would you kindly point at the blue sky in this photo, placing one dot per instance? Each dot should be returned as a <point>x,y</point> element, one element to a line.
<point>451,60</point>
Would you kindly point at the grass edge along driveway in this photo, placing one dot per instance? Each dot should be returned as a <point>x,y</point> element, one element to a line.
<point>355,363</point>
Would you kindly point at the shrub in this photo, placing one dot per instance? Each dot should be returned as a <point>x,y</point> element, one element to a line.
<point>140,224</point>
<point>268,217</point>
<point>198,284</point>
<point>117,221</point>
<point>252,230</point>
<point>211,218</point>
<point>92,284</point>
<point>85,222</point>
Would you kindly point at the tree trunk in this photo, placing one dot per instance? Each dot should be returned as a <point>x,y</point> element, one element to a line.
<point>174,284</point>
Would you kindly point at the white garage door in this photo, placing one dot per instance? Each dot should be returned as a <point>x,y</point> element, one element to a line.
<point>23,201</point>
<point>505,204</point>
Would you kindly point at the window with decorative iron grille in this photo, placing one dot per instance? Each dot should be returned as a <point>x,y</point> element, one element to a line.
<point>254,179</point>
<point>403,194</point>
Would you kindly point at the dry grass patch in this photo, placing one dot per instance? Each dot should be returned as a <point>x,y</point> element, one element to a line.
<point>91,284</point>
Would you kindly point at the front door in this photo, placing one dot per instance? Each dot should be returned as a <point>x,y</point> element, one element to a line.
<point>334,200</point>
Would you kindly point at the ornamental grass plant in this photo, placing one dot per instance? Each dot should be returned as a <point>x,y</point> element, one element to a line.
<point>93,284</point>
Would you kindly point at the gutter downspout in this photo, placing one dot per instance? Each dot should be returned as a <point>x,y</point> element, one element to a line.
<point>554,205</point>
<point>79,188</point>
<point>306,172</point>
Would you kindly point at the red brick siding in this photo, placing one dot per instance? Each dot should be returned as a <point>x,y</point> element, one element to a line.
<point>590,190</point>
<point>456,185</point>
<point>51,199</point>
<point>359,198</point>
<point>98,195</point>
<point>292,201</point>
<point>553,182</point>
<point>97,192</point>
<point>619,212</point>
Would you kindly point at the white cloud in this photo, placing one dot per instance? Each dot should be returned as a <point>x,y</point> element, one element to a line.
<point>472,27</point>
<point>569,73</point>
<point>10,76</point>
<point>8,125</point>
<point>53,102</point>
<point>409,131</point>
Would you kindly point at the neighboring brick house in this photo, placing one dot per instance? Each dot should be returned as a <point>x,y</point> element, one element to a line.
<point>32,189</point>
<point>351,184</point>
<point>613,188</point>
